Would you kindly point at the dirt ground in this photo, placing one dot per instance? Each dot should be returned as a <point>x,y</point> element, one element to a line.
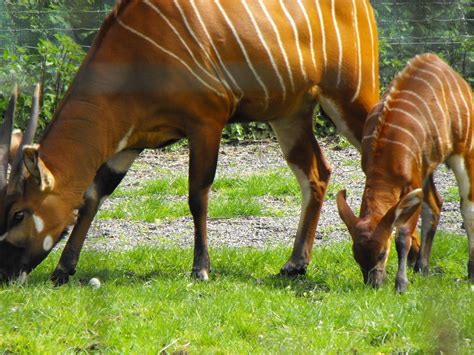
<point>260,232</point>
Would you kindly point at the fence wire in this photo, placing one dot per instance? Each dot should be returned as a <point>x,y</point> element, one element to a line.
<point>406,28</point>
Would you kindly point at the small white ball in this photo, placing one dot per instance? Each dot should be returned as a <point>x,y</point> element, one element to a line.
<point>94,282</point>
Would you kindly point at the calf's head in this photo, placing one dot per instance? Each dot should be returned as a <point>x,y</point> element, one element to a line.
<point>371,235</point>
<point>32,213</point>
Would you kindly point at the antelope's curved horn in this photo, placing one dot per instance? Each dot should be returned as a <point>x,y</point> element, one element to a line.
<point>33,122</point>
<point>16,177</point>
<point>5,141</point>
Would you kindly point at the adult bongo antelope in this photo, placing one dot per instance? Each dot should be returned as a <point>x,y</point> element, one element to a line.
<point>424,120</point>
<point>163,70</point>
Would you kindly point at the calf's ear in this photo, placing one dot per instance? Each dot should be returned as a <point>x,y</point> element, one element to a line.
<point>407,206</point>
<point>37,168</point>
<point>346,213</point>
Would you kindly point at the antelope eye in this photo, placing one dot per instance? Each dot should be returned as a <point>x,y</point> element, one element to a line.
<point>18,216</point>
<point>382,255</point>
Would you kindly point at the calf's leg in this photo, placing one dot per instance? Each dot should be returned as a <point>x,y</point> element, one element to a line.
<point>430,214</point>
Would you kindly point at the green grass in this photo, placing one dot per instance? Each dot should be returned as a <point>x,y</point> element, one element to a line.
<point>452,194</point>
<point>230,197</point>
<point>148,302</point>
<point>240,196</point>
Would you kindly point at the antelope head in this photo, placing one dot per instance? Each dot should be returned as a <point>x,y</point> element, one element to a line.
<point>27,234</point>
<point>371,235</point>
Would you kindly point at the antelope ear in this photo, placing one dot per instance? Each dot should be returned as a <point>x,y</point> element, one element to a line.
<point>407,206</point>
<point>37,168</point>
<point>345,212</point>
<point>17,136</point>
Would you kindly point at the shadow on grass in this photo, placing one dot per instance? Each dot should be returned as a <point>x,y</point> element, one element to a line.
<point>120,276</point>
<point>253,269</point>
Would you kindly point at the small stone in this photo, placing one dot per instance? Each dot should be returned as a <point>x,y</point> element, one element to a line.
<point>94,283</point>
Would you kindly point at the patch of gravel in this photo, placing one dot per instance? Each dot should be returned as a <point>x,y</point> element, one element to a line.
<point>259,232</point>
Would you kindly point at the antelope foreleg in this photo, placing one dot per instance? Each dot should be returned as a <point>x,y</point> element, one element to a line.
<point>313,171</point>
<point>403,244</point>
<point>108,177</point>
<point>70,255</point>
<point>204,149</point>
<point>430,214</point>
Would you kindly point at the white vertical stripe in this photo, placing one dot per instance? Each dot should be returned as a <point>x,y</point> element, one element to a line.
<point>468,112</point>
<point>456,81</point>
<point>267,49</point>
<point>211,42</point>
<point>359,56</point>
<point>433,121</point>
<point>244,51</point>
<point>373,114</point>
<point>311,40</point>
<point>297,39</point>
<point>451,91</point>
<point>438,103</point>
<point>408,133</point>
<point>415,119</point>
<point>440,82</point>
<point>198,42</point>
<point>372,42</point>
<point>323,33</point>
<point>181,39</point>
<point>339,42</point>
<point>171,54</point>
<point>369,136</point>
<point>408,149</point>
<point>280,43</point>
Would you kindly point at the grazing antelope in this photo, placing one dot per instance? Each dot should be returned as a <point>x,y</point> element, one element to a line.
<point>424,120</point>
<point>163,70</point>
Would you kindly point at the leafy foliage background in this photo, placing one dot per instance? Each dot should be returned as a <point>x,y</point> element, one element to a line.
<point>45,41</point>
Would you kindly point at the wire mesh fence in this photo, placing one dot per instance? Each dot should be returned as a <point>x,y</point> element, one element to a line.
<point>407,28</point>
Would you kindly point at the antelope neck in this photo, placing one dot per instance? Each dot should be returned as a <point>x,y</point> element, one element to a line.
<point>80,139</point>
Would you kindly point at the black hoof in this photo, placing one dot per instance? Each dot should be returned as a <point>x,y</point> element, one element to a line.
<point>293,270</point>
<point>201,275</point>
<point>60,277</point>
<point>401,286</point>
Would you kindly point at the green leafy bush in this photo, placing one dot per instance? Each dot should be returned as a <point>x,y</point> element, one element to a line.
<point>53,65</point>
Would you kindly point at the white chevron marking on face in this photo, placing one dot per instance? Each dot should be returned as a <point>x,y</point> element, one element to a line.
<point>39,223</point>
<point>47,243</point>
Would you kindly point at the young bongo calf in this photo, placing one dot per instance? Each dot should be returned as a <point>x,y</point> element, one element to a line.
<point>424,120</point>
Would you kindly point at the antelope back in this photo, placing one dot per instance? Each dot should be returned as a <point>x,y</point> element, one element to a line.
<point>162,70</point>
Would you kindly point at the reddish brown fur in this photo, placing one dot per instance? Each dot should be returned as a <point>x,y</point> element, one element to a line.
<point>128,87</point>
<point>426,119</point>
